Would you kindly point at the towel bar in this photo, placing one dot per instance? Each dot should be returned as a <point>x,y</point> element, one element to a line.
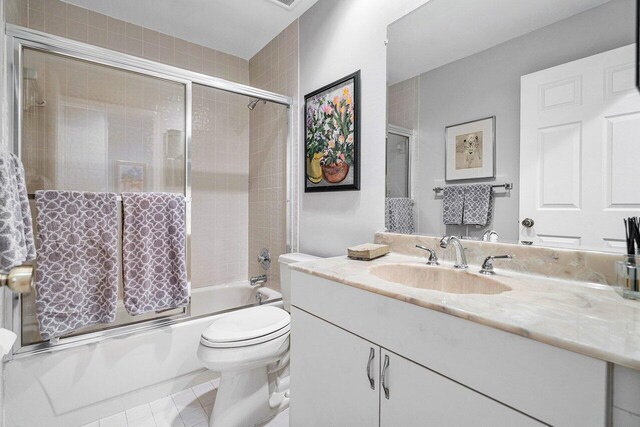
<point>32,196</point>
<point>506,186</point>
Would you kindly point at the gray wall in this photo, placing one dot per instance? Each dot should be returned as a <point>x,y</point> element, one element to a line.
<point>488,84</point>
<point>338,37</point>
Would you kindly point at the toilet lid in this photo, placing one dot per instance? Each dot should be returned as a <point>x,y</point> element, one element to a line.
<point>247,324</point>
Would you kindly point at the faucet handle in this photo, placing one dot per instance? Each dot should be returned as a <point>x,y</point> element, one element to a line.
<point>487,265</point>
<point>433,258</point>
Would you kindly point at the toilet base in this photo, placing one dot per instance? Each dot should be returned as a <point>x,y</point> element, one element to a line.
<point>243,399</point>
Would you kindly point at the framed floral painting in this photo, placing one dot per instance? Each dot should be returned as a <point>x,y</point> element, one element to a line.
<point>332,136</point>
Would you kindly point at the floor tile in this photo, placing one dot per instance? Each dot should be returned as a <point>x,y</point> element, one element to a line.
<point>145,422</point>
<point>192,417</point>
<point>117,420</point>
<point>206,393</point>
<point>208,398</point>
<point>208,409</point>
<point>168,418</point>
<point>281,420</point>
<point>185,399</point>
<point>139,413</point>
<point>163,404</point>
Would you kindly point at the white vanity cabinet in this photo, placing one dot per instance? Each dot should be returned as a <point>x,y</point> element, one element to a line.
<point>339,382</point>
<point>331,369</point>
<point>413,395</point>
<point>442,370</point>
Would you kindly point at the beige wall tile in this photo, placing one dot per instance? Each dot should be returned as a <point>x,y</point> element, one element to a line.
<point>267,152</point>
<point>78,14</point>
<point>98,20</point>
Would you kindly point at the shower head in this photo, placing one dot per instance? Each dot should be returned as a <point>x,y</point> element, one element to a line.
<point>254,102</point>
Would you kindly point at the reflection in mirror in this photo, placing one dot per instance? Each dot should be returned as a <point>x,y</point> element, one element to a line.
<point>539,94</point>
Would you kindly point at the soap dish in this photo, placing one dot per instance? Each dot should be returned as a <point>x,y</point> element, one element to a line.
<point>367,252</point>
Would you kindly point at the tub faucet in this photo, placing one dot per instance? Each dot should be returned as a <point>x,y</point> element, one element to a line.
<point>257,281</point>
<point>461,259</point>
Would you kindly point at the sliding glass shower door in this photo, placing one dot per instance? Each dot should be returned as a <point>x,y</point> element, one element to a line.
<point>91,127</point>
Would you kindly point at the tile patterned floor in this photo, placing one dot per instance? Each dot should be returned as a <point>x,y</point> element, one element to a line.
<point>188,408</point>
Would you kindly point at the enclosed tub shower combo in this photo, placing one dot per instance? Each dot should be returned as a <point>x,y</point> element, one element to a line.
<point>148,139</point>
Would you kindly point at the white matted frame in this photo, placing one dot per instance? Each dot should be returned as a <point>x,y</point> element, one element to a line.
<point>480,159</point>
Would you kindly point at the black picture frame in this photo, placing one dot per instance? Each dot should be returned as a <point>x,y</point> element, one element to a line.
<point>323,185</point>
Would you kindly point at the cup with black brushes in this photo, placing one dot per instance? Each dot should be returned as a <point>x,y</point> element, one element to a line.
<point>628,271</point>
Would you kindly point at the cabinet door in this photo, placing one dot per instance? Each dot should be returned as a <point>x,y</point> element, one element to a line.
<point>412,395</point>
<point>330,385</point>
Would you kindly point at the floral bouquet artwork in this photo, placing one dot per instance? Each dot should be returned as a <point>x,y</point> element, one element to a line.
<point>332,136</point>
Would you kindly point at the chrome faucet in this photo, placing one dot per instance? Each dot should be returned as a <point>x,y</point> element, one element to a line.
<point>433,258</point>
<point>258,280</point>
<point>488,235</point>
<point>461,259</point>
<point>487,265</point>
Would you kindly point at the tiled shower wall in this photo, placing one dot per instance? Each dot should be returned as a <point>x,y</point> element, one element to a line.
<point>220,186</point>
<point>403,103</point>
<point>220,127</point>
<point>274,68</point>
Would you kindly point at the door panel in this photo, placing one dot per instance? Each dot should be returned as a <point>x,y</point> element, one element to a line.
<point>420,397</point>
<point>579,151</point>
<point>329,381</point>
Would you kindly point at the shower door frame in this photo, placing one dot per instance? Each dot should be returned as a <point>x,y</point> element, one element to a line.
<point>18,38</point>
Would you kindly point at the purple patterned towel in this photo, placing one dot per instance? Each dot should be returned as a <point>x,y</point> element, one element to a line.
<point>154,252</point>
<point>16,231</point>
<point>478,201</point>
<point>77,265</point>
<point>452,204</point>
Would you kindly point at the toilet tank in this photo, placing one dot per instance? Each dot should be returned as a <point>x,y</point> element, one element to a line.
<point>285,274</point>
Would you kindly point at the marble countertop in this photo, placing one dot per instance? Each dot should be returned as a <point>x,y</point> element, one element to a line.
<point>586,318</point>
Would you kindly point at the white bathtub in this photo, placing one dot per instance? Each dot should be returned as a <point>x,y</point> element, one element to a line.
<point>216,299</point>
<point>75,386</point>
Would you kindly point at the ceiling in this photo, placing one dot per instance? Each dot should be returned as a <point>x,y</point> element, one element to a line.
<point>443,31</point>
<point>237,27</point>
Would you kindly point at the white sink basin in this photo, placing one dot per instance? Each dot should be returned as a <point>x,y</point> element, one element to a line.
<point>441,279</point>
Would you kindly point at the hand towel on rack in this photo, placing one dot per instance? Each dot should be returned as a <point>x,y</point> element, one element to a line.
<point>154,252</point>
<point>16,229</point>
<point>399,215</point>
<point>477,204</point>
<point>77,271</point>
<point>452,204</point>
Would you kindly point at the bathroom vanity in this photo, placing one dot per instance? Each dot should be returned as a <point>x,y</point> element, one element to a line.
<point>394,342</point>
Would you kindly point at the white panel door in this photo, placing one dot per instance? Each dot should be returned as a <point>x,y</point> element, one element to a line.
<point>420,397</point>
<point>580,151</point>
<point>330,382</point>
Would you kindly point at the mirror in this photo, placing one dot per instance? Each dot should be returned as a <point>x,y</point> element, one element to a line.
<point>517,117</point>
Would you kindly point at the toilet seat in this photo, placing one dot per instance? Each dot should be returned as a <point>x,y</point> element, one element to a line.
<point>247,327</point>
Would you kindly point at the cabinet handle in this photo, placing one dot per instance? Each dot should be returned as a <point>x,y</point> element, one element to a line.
<point>385,387</point>
<point>372,355</point>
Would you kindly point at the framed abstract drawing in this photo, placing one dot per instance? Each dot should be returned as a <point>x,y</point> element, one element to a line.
<point>332,136</point>
<point>470,150</point>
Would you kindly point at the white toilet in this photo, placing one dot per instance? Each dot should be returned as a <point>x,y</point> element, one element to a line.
<point>250,350</point>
